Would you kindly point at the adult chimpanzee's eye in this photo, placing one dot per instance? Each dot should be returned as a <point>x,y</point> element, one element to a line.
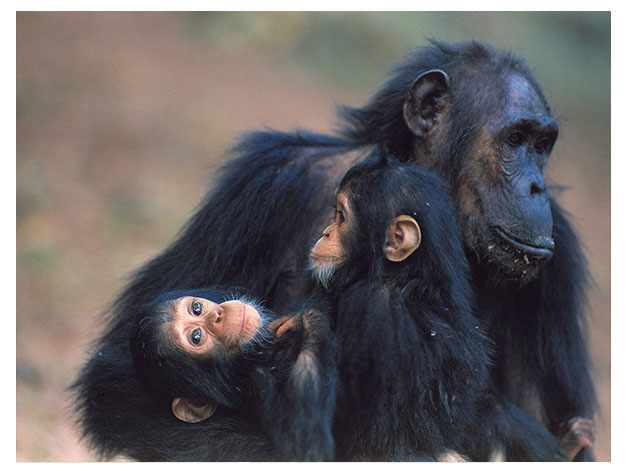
<point>196,308</point>
<point>542,144</point>
<point>195,337</point>
<point>515,138</point>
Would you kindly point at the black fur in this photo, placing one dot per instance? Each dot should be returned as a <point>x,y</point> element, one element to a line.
<point>121,418</point>
<point>549,311</point>
<point>469,65</point>
<point>537,320</point>
<point>287,188</point>
<point>260,391</point>
<point>412,353</point>
<point>264,380</point>
<point>256,226</point>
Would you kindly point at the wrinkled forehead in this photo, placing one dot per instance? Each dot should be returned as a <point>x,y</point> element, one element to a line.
<point>518,100</point>
<point>188,299</point>
<point>523,97</point>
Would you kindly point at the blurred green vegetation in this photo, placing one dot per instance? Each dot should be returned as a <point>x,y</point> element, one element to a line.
<point>353,49</point>
<point>568,51</point>
<point>122,119</point>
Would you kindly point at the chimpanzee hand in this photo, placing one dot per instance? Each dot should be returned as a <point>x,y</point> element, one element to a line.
<point>303,386</point>
<point>283,325</point>
<point>578,434</point>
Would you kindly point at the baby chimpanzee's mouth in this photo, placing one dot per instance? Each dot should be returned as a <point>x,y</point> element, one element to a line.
<point>243,318</point>
<point>542,250</point>
<point>325,259</point>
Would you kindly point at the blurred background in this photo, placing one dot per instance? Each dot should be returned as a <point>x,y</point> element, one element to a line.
<point>122,119</point>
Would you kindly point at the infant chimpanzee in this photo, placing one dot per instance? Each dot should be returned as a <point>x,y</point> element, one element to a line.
<point>201,350</point>
<point>413,362</point>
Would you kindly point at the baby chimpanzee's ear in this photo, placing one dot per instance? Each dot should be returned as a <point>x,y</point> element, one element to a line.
<point>403,238</point>
<point>188,412</point>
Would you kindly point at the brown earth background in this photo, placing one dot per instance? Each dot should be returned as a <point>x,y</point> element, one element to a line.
<point>122,119</point>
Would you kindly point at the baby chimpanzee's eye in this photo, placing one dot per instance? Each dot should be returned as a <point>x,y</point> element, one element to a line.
<point>195,337</point>
<point>340,218</point>
<point>196,308</point>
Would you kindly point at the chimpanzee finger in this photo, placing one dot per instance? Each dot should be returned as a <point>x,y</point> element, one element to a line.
<point>283,325</point>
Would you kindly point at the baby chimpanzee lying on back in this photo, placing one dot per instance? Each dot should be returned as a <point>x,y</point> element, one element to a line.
<point>199,351</point>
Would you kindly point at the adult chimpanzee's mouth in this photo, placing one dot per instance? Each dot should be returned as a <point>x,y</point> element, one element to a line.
<point>543,251</point>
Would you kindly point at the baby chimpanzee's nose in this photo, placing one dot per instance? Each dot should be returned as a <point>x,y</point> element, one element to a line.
<point>216,316</point>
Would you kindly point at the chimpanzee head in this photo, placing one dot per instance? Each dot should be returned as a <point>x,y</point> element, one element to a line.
<point>393,222</point>
<point>189,347</point>
<point>479,119</point>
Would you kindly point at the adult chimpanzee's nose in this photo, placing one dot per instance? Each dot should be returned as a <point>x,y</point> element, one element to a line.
<point>538,186</point>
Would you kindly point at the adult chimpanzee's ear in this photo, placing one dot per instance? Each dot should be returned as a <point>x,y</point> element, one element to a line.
<point>403,238</point>
<point>425,101</point>
<point>188,412</point>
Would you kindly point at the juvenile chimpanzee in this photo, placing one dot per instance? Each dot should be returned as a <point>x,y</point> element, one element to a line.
<point>413,362</point>
<point>199,352</point>
<point>478,118</point>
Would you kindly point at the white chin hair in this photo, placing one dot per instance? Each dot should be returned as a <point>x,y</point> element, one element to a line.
<point>322,271</point>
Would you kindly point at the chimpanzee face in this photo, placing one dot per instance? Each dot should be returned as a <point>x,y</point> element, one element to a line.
<point>333,250</point>
<point>198,326</point>
<point>330,250</point>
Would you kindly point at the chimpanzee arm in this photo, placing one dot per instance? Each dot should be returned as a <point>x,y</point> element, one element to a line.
<point>511,435</point>
<point>565,367</point>
<point>543,363</point>
<point>300,387</point>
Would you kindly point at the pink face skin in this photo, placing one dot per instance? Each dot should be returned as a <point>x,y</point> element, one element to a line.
<point>329,250</point>
<point>198,324</point>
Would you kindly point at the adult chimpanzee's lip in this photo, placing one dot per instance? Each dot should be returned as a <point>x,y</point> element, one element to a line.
<point>543,252</point>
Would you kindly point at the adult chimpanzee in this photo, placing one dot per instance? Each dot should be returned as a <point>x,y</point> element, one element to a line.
<point>479,119</point>
<point>413,363</point>
<point>197,352</point>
